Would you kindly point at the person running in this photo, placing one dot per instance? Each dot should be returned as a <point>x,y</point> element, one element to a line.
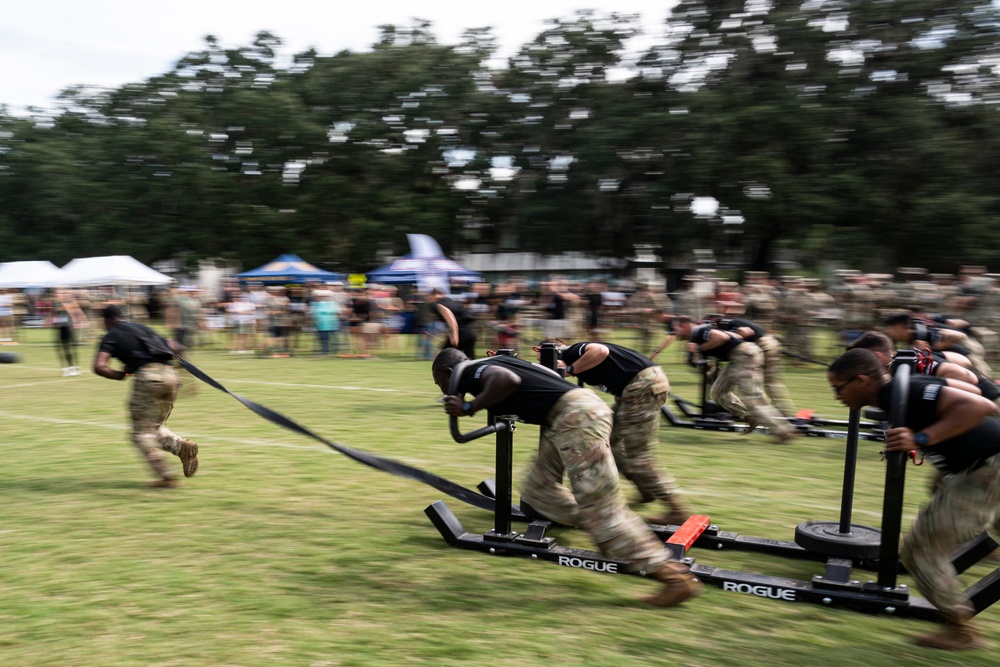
<point>956,431</point>
<point>738,387</point>
<point>640,388</point>
<point>460,322</point>
<point>67,317</point>
<point>774,386</point>
<point>574,441</point>
<point>8,322</point>
<point>146,356</point>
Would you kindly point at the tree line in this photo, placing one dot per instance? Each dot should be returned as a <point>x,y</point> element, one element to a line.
<point>846,131</point>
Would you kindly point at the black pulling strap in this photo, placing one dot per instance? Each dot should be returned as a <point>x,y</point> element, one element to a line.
<point>386,465</point>
<point>803,358</point>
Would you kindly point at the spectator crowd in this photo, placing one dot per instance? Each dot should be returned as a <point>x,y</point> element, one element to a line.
<point>334,319</point>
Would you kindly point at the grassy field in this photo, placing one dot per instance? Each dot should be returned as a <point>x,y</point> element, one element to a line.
<point>283,552</point>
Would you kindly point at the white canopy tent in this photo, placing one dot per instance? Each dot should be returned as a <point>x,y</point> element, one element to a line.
<point>31,274</point>
<point>111,270</point>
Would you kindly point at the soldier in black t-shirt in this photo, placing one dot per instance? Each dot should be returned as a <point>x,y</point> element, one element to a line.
<point>957,431</point>
<point>935,364</point>
<point>923,334</point>
<point>774,386</point>
<point>738,387</point>
<point>928,362</point>
<point>147,358</point>
<point>640,389</point>
<point>573,442</point>
<point>595,300</point>
<point>461,331</point>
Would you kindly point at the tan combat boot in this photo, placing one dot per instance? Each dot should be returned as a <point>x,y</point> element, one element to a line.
<point>189,457</point>
<point>679,585</point>
<point>165,483</point>
<point>676,514</point>
<point>960,636</point>
<point>786,437</point>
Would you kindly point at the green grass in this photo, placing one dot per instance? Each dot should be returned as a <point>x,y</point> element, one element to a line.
<point>282,552</point>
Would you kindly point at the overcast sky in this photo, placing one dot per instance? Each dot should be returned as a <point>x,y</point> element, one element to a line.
<point>48,45</point>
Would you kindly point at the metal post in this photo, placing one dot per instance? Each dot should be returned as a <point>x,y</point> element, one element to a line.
<point>850,464</point>
<point>895,482</point>
<point>704,386</point>
<point>548,356</point>
<point>504,477</point>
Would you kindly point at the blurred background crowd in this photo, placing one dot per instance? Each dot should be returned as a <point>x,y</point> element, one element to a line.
<point>337,319</point>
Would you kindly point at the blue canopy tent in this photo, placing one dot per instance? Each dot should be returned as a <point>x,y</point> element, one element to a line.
<point>286,269</point>
<point>410,270</point>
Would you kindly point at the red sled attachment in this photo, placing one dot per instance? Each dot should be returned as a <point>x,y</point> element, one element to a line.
<point>687,534</point>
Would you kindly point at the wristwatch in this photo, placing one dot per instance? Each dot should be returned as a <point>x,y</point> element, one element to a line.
<point>467,408</point>
<point>920,439</point>
<point>569,369</point>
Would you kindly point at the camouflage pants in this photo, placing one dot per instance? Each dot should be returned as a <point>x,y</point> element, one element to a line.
<point>774,387</point>
<point>575,443</point>
<point>798,339</point>
<point>649,335</point>
<point>636,433</point>
<point>154,389</point>
<point>966,504</point>
<point>738,389</point>
<point>978,358</point>
<point>989,340</point>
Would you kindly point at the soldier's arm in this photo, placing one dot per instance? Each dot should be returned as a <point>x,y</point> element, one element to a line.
<point>101,367</point>
<point>497,384</point>
<point>595,354</point>
<point>667,340</point>
<point>450,320</point>
<point>716,339</point>
<point>964,386</point>
<point>958,412</point>
<point>950,371</point>
<point>957,359</point>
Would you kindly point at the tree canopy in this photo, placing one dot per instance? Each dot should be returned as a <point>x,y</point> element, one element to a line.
<point>860,132</point>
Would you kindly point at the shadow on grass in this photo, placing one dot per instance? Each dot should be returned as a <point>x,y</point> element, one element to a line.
<point>71,485</point>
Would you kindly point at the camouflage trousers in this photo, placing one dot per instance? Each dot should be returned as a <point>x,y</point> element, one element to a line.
<point>989,340</point>
<point>774,387</point>
<point>978,358</point>
<point>636,433</point>
<point>649,334</point>
<point>575,443</point>
<point>154,389</point>
<point>738,389</point>
<point>798,339</point>
<point>965,504</point>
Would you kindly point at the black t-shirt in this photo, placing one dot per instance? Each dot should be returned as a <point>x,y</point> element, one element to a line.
<point>931,365</point>
<point>594,302</point>
<point>556,308</point>
<point>700,335</point>
<point>990,390</point>
<point>129,349</point>
<point>463,316</point>
<point>539,390</point>
<point>925,333</point>
<point>941,321</point>
<point>615,372</point>
<point>953,455</point>
<point>505,311</point>
<point>739,323</point>
<point>362,309</point>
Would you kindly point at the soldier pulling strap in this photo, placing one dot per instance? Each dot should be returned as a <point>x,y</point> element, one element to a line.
<point>386,465</point>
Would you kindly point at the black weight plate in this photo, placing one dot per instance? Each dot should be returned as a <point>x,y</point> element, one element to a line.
<point>9,358</point>
<point>824,537</point>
